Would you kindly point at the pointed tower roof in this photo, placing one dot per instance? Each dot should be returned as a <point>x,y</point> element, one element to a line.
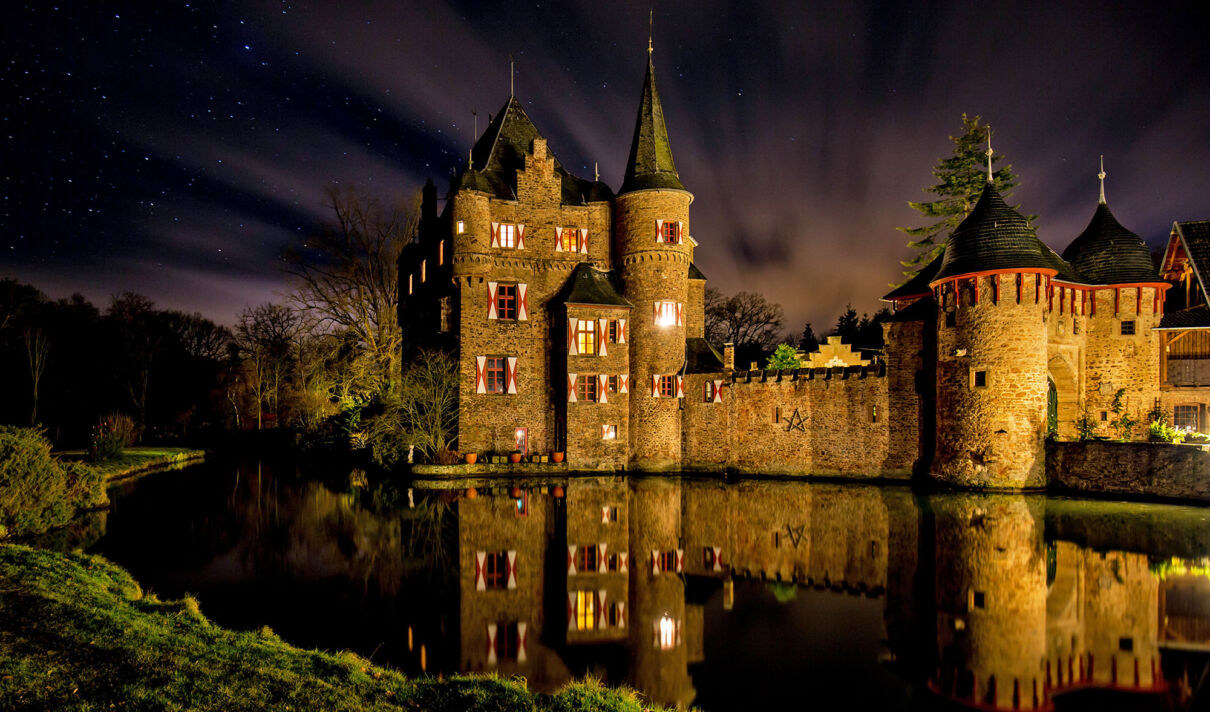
<point>1108,253</point>
<point>992,237</point>
<point>650,164</point>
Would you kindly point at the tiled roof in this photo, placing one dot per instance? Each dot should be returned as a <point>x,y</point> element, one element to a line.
<point>694,272</point>
<point>1195,318</point>
<point>918,284</point>
<point>500,152</point>
<point>701,357</point>
<point>650,164</point>
<point>919,310</point>
<point>993,236</point>
<point>1066,272</point>
<point>590,286</point>
<point>1107,253</point>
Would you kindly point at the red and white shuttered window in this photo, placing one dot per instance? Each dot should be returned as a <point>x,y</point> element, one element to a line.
<point>495,570</point>
<point>712,558</point>
<point>508,236</point>
<point>581,336</point>
<point>593,610</point>
<point>571,239</point>
<point>609,432</point>
<point>617,331</point>
<point>506,641</point>
<point>670,232</point>
<point>672,560</point>
<point>507,302</point>
<point>669,313</point>
<point>712,392</point>
<point>496,374</point>
<point>587,388</point>
<point>664,386</point>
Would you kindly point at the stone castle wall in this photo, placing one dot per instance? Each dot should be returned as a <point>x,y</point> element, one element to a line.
<point>1148,469</point>
<point>1115,361</point>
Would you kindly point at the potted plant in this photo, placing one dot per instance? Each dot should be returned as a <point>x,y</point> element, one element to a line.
<point>514,456</point>
<point>556,457</point>
<point>471,457</point>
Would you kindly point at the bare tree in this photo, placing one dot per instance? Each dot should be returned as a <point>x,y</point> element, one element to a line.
<point>140,338</point>
<point>429,402</point>
<point>349,277</point>
<point>747,320</point>
<point>265,337</point>
<point>37,348</point>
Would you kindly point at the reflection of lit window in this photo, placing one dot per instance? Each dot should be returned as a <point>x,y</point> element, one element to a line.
<point>522,503</point>
<point>609,432</point>
<point>708,557</point>
<point>586,610</point>
<point>461,227</point>
<point>495,569</point>
<point>667,632</point>
<point>586,558</point>
<point>508,641</point>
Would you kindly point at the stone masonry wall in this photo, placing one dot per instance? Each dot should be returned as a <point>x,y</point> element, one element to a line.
<point>587,446</point>
<point>1117,361</point>
<point>801,423</point>
<point>1149,469</point>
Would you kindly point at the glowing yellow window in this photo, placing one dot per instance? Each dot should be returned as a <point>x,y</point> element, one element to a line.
<point>586,337</point>
<point>586,610</point>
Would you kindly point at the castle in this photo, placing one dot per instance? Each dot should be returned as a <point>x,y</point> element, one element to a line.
<point>577,316</point>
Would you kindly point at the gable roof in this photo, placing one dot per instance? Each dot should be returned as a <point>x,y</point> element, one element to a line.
<point>993,236</point>
<point>590,286</point>
<point>701,356</point>
<point>1107,253</point>
<point>650,164</point>
<point>500,152</point>
<point>1195,236</point>
<point>1197,317</point>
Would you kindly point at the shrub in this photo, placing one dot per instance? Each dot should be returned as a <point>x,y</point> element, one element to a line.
<point>38,492</point>
<point>111,436</point>
<point>1160,430</point>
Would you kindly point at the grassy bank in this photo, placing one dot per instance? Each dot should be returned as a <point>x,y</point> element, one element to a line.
<point>134,460</point>
<point>77,633</point>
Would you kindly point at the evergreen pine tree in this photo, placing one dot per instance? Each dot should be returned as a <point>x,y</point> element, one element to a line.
<point>961,179</point>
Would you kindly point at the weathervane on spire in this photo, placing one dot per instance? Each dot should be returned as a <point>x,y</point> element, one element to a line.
<point>650,29</point>
<point>989,155</point>
<point>511,93</point>
<point>596,173</point>
<point>1101,176</point>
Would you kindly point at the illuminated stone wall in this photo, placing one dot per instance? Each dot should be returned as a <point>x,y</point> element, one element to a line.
<point>1152,469</point>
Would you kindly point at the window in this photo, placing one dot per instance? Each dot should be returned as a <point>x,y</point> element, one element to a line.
<point>460,227</point>
<point>978,599</point>
<point>423,271</point>
<point>667,313</point>
<point>586,610</point>
<point>494,370</point>
<point>874,414</point>
<point>586,558</point>
<point>610,514</point>
<point>612,616</point>
<point>1104,416</point>
<point>708,557</point>
<point>409,284</point>
<point>441,252</point>
<point>980,379</point>
<point>667,386</point>
<point>506,301</point>
<point>611,384</point>
<point>1185,416</point>
<point>708,392</point>
<point>522,505</point>
<point>613,331</point>
<point>569,238</point>
<point>611,562</point>
<point>667,561</point>
<point>508,235</point>
<point>1128,328</point>
<point>667,633</point>
<point>951,318</point>
<point>586,337</point>
<point>508,641</point>
<point>609,432</point>
<point>671,231</point>
<point>586,388</point>
<point>1075,327</point>
<point>495,569</point>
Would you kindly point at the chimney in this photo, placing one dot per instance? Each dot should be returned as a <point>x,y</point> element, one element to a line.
<point>729,356</point>
<point>540,148</point>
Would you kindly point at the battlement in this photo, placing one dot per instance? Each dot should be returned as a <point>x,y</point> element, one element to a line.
<point>809,375</point>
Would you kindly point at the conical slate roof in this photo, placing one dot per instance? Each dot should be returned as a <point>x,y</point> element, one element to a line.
<point>1108,253</point>
<point>993,236</point>
<point>650,164</point>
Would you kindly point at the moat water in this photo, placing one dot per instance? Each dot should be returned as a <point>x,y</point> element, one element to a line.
<point>734,596</point>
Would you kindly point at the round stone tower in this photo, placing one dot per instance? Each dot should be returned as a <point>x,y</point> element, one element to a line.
<point>991,291</point>
<point>653,252</point>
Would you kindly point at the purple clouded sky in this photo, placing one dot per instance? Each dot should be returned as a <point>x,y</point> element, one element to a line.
<point>176,149</point>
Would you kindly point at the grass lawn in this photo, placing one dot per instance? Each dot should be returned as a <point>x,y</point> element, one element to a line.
<point>77,633</point>
<point>135,459</point>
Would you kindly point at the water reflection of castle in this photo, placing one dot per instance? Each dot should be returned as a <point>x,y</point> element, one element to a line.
<point>976,603</point>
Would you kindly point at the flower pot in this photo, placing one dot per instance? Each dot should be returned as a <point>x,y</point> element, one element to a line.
<point>514,457</point>
<point>471,493</point>
<point>556,457</point>
<point>471,457</point>
<point>558,492</point>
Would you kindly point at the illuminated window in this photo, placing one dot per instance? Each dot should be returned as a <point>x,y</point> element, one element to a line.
<point>586,337</point>
<point>873,413</point>
<point>665,313</point>
<point>667,632</point>
<point>667,386</point>
<point>586,610</point>
<point>569,239</point>
<point>441,252</point>
<point>586,558</point>
<point>1185,416</point>
<point>708,392</point>
<point>495,569</point>
<point>494,370</point>
<point>586,388</point>
<point>506,301</point>
<point>409,284</point>
<point>508,235</point>
<point>423,271</point>
<point>609,432</point>
<point>460,228</point>
<point>671,230</point>
<point>1127,328</point>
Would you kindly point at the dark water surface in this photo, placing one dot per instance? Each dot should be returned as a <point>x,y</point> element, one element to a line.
<point>736,596</point>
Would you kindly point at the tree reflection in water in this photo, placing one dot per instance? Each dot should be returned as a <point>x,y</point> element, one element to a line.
<point>726,596</point>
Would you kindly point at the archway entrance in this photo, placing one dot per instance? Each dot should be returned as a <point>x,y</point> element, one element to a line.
<point>1063,398</point>
<point>1052,408</point>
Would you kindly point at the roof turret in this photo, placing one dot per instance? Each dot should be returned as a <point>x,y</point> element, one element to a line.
<point>650,164</point>
<point>1108,253</point>
<point>992,237</point>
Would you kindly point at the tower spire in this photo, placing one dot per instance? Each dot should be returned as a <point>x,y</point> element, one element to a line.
<point>511,92</point>
<point>990,179</point>
<point>650,29</point>
<point>650,164</point>
<point>1101,176</point>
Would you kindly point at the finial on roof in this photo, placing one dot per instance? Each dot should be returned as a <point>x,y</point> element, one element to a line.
<point>989,155</point>
<point>511,93</point>
<point>596,173</point>
<point>475,136</point>
<point>470,157</point>
<point>650,29</point>
<point>1101,176</point>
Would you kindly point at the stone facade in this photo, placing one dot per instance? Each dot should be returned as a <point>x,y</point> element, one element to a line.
<point>1146,469</point>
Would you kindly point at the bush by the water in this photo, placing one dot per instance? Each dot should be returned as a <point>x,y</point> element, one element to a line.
<point>37,492</point>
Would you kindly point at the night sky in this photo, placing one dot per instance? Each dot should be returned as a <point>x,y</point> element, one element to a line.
<point>175,148</point>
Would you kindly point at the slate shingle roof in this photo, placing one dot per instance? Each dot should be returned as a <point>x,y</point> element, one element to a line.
<point>1107,253</point>
<point>993,236</point>
<point>918,310</point>
<point>1066,272</point>
<point>592,287</point>
<point>1194,318</point>
<point>694,272</point>
<point>650,164</point>
<point>500,153</point>
<point>918,284</point>
<point>701,357</point>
